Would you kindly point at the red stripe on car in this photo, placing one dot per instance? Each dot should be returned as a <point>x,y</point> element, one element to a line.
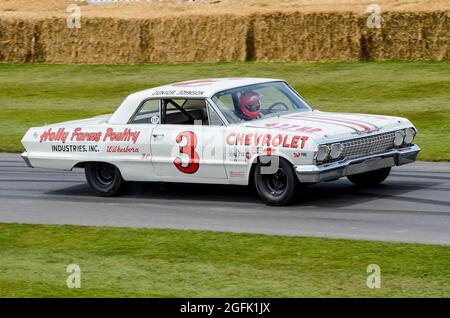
<point>364,127</point>
<point>353,120</point>
<point>316,120</point>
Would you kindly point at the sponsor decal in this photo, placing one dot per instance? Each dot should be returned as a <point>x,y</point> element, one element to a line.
<point>237,155</point>
<point>164,93</point>
<point>126,149</point>
<point>316,120</point>
<point>257,150</point>
<point>125,135</point>
<point>263,150</point>
<point>75,148</point>
<point>154,120</point>
<point>268,140</point>
<point>79,135</point>
<point>237,174</point>
<point>50,135</point>
<point>183,92</point>
<point>291,127</point>
<point>190,93</point>
<point>300,154</point>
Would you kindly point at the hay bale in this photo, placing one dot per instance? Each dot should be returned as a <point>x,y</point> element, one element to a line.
<point>407,36</point>
<point>306,37</point>
<point>194,38</point>
<point>99,40</point>
<point>19,40</point>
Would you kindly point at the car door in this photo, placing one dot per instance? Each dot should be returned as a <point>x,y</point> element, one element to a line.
<point>134,157</point>
<point>188,151</point>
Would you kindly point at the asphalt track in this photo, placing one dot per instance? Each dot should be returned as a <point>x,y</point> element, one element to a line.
<point>413,205</point>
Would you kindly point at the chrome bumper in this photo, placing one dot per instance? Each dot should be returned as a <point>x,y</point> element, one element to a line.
<point>339,169</point>
<point>25,158</point>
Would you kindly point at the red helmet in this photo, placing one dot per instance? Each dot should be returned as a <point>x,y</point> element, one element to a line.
<point>250,105</point>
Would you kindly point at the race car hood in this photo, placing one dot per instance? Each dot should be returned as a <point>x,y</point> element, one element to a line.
<point>319,124</point>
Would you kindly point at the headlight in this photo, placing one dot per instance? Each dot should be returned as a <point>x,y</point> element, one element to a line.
<point>409,136</point>
<point>336,151</point>
<point>399,138</point>
<point>322,153</point>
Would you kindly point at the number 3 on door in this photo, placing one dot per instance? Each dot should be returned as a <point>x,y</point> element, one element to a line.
<point>189,150</point>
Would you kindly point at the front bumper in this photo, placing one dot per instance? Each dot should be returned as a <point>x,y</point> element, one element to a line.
<point>346,167</point>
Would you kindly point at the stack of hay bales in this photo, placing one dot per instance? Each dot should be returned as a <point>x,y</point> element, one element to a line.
<point>284,36</point>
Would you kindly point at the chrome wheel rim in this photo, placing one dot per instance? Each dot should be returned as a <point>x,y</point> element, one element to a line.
<point>276,183</point>
<point>105,174</point>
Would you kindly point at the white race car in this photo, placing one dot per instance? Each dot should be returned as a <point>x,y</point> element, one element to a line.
<point>237,131</point>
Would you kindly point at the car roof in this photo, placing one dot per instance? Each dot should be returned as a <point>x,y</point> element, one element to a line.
<point>201,88</point>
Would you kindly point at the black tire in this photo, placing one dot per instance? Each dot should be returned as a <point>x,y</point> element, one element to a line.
<point>104,178</point>
<point>279,188</point>
<point>370,178</point>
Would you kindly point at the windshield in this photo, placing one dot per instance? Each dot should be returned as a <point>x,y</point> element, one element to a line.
<point>258,101</point>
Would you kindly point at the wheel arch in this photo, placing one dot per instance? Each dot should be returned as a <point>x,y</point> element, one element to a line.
<point>255,161</point>
<point>82,164</point>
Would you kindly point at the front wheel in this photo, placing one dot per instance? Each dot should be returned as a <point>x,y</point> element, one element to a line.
<point>104,178</point>
<point>370,178</point>
<point>277,187</point>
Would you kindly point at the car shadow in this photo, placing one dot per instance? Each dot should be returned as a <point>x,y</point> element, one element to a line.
<point>337,194</point>
<point>341,194</point>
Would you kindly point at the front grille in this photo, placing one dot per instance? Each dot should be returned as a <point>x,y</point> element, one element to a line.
<point>368,145</point>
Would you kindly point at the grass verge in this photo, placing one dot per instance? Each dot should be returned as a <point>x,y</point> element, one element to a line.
<point>33,94</point>
<point>127,262</point>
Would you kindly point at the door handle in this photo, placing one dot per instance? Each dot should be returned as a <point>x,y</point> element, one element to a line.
<point>158,135</point>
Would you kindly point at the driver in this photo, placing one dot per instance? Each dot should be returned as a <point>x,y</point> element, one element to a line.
<point>249,106</point>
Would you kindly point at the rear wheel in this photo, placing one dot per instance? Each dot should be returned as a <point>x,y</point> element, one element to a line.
<point>104,178</point>
<point>370,178</point>
<point>279,187</point>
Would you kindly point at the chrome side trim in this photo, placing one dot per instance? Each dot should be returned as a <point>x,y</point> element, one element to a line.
<point>339,169</point>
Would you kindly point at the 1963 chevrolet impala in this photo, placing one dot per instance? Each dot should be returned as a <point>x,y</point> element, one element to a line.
<point>224,131</point>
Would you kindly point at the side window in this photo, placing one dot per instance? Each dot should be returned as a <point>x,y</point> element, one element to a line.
<point>185,112</point>
<point>148,113</point>
<point>226,101</point>
<point>171,108</point>
<point>226,106</point>
<point>214,119</point>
